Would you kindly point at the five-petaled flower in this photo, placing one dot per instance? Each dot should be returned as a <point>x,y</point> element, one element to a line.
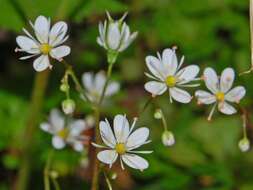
<point>220,91</point>
<point>166,74</point>
<point>94,83</point>
<point>65,132</point>
<point>122,142</point>
<point>114,35</point>
<point>48,42</point>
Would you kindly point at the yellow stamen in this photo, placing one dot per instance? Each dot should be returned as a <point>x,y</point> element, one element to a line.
<point>171,81</point>
<point>220,96</point>
<point>45,48</point>
<point>63,133</point>
<point>120,148</point>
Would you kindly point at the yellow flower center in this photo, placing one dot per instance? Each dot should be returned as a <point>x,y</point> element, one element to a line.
<point>63,133</point>
<point>120,148</point>
<point>45,48</point>
<point>220,96</point>
<point>171,81</point>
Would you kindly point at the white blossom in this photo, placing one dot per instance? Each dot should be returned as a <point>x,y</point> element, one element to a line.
<point>121,143</point>
<point>221,92</point>
<point>114,35</point>
<point>48,42</point>
<point>65,132</point>
<point>94,83</point>
<point>167,75</point>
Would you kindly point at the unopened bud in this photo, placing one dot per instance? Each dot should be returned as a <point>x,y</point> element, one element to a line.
<point>68,106</point>
<point>158,114</point>
<point>114,176</point>
<point>168,138</point>
<point>244,144</point>
<point>54,174</point>
<point>64,87</point>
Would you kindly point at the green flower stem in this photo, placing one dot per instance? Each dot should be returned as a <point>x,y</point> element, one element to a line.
<point>31,124</point>
<point>95,177</point>
<point>47,171</point>
<point>164,121</point>
<point>56,184</point>
<point>148,102</point>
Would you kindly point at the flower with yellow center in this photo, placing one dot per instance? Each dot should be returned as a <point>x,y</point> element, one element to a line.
<point>220,96</point>
<point>171,81</point>
<point>45,48</point>
<point>120,148</point>
<point>63,133</point>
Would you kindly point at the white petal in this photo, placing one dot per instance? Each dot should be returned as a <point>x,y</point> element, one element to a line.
<point>236,94</point>
<point>56,120</point>
<point>112,88</point>
<point>107,156</point>
<point>60,52</point>
<point>155,88</point>
<point>121,128</point>
<point>46,127</point>
<point>226,108</point>
<point>100,79</point>
<point>188,73</point>
<point>41,27</point>
<point>180,95</point>
<point>227,79</point>
<point>87,79</point>
<point>113,36</point>
<point>27,44</point>
<point>77,127</point>
<point>211,80</point>
<point>78,146</point>
<point>101,42</point>
<point>107,134</point>
<point>41,63</point>
<point>205,97</point>
<point>169,59</point>
<point>135,161</point>
<point>137,138</point>
<point>58,142</point>
<point>128,42</point>
<point>156,67</point>
<point>57,33</point>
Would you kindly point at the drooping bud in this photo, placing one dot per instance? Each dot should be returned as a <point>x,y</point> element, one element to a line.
<point>244,144</point>
<point>68,106</point>
<point>158,114</point>
<point>168,138</point>
<point>64,87</point>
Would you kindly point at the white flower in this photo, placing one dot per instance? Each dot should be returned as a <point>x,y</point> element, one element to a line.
<point>121,143</point>
<point>65,132</point>
<point>244,145</point>
<point>94,83</point>
<point>166,74</point>
<point>115,34</point>
<point>48,42</point>
<point>220,91</point>
<point>168,138</point>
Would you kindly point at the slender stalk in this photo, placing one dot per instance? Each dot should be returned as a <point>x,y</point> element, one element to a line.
<point>32,121</point>
<point>56,184</point>
<point>95,177</point>
<point>47,171</point>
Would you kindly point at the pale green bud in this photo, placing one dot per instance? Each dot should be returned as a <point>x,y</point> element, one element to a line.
<point>244,144</point>
<point>68,106</point>
<point>168,138</point>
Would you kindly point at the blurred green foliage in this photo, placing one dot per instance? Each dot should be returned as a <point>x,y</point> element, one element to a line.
<point>211,33</point>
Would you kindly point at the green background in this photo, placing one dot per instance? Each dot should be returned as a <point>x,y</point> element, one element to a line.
<point>211,33</point>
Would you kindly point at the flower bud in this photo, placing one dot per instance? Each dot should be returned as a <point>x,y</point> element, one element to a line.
<point>68,106</point>
<point>244,144</point>
<point>64,87</point>
<point>168,138</point>
<point>54,174</point>
<point>114,175</point>
<point>158,114</point>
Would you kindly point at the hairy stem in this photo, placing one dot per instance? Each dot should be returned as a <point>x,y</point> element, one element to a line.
<point>32,121</point>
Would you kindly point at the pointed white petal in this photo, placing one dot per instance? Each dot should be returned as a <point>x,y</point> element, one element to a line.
<point>211,80</point>
<point>169,59</point>
<point>155,88</point>
<point>60,52</point>
<point>155,66</point>
<point>41,27</point>
<point>58,142</point>
<point>137,138</point>
<point>121,128</point>
<point>226,108</point>
<point>236,94</point>
<point>107,134</point>
<point>77,127</point>
<point>188,73</point>
<point>227,79</point>
<point>87,79</point>
<point>107,156</point>
<point>41,63</point>
<point>46,127</point>
<point>135,161</point>
<point>113,36</point>
<point>57,33</point>
<point>56,120</point>
<point>205,97</point>
<point>27,44</point>
<point>180,95</point>
<point>112,88</point>
<point>100,79</point>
